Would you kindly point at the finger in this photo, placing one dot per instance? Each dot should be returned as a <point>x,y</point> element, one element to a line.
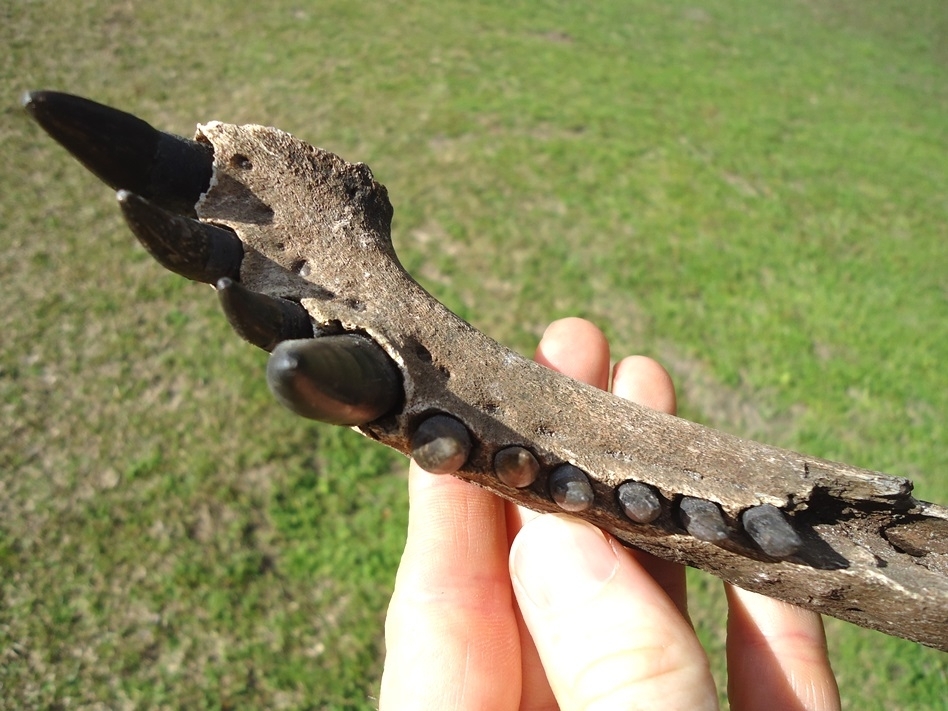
<point>451,633</point>
<point>776,656</point>
<point>646,382</point>
<point>607,634</point>
<point>573,347</point>
<point>577,348</point>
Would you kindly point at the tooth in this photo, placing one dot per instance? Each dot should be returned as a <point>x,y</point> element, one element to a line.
<point>570,488</point>
<point>516,467</point>
<point>639,501</point>
<point>124,151</point>
<point>440,445</point>
<point>766,525</point>
<point>193,249</point>
<point>260,319</point>
<point>703,519</point>
<point>342,380</point>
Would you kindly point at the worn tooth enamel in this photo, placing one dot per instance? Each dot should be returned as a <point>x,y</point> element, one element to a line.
<point>516,467</point>
<point>570,488</point>
<point>703,519</point>
<point>771,531</point>
<point>639,501</point>
<point>343,380</point>
<point>260,319</point>
<point>124,151</point>
<point>196,250</point>
<point>440,445</point>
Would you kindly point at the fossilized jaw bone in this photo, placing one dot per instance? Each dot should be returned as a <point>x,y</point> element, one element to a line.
<point>317,229</point>
<point>297,243</point>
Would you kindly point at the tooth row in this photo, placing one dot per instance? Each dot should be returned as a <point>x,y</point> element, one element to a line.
<point>442,444</point>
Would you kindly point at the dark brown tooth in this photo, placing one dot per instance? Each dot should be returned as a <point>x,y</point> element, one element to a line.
<point>193,249</point>
<point>124,151</point>
<point>516,467</point>
<point>639,501</point>
<point>343,380</point>
<point>703,519</point>
<point>260,319</point>
<point>771,531</point>
<point>570,488</point>
<point>440,445</point>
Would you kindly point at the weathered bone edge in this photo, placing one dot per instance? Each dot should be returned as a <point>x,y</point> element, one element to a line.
<point>316,230</point>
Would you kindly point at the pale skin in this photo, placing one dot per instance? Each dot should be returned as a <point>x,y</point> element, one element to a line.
<point>497,607</point>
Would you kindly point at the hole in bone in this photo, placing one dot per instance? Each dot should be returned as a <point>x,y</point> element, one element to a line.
<point>240,161</point>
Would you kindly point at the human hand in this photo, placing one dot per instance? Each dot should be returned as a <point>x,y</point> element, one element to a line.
<point>498,608</point>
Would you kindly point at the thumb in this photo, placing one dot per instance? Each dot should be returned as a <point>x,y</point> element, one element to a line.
<point>607,634</point>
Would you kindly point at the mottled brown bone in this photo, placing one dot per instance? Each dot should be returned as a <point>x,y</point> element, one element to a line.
<point>316,229</point>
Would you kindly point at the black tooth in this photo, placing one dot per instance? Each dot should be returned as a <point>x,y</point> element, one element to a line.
<point>766,525</point>
<point>703,519</point>
<point>570,488</point>
<point>193,249</point>
<point>639,501</point>
<point>260,319</point>
<point>342,380</point>
<point>124,151</point>
<point>441,445</point>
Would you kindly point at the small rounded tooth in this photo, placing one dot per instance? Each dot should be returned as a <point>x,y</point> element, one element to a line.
<point>441,445</point>
<point>193,249</point>
<point>343,380</point>
<point>639,501</point>
<point>260,319</point>
<point>516,467</point>
<point>570,488</point>
<point>703,519</point>
<point>771,531</point>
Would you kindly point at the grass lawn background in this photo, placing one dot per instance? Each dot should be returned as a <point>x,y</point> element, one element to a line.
<point>754,193</point>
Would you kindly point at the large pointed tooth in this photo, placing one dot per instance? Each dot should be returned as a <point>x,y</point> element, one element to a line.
<point>343,380</point>
<point>124,151</point>
<point>260,319</point>
<point>193,249</point>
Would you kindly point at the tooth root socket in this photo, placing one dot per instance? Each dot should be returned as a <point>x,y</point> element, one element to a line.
<point>343,380</point>
<point>260,319</point>
<point>770,530</point>
<point>703,519</point>
<point>193,249</point>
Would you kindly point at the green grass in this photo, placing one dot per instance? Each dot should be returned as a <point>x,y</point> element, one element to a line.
<point>755,193</point>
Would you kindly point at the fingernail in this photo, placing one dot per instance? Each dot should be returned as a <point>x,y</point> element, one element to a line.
<point>559,561</point>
